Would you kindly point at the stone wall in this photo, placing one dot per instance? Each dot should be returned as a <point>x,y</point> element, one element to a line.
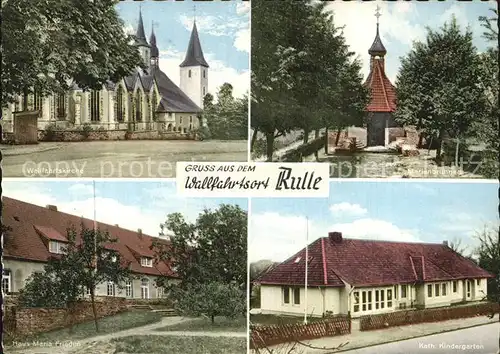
<point>29,321</point>
<point>80,135</point>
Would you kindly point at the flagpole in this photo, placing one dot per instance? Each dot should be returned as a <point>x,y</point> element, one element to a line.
<point>95,229</point>
<point>307,263</point>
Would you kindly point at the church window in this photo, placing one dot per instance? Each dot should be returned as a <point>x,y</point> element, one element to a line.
<point>189,73</point>
<point>61,105</point>
<point>204,75</point>
<point>180,120</point>
<point>138,107</point>
<point>119,104</point>
<point>95,104</point>
<point>154,105</point>
<point>204,91</point>
<point>37,100</point>
<point>190,119</point>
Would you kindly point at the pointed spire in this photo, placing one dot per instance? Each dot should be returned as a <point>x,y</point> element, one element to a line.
<point>155,53</point>
<point>377,48</point>
<point>140,34</point>
<point>194,54</point>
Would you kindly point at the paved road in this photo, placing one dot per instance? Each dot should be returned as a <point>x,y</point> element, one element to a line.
<point>138,159</point>
<point>476,340</point>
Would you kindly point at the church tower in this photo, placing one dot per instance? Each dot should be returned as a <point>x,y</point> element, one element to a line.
<point>194,70</point>
<point>142,43</point>
<point>155,53</point>
<point>382,104</point>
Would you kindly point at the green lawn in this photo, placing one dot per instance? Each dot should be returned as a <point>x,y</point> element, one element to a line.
<point>221,324</point>
<point>111,324</point>
<point>180,345</point>
<point>270,320</point>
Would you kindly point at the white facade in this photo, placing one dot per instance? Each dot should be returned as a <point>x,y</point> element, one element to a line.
<point>369,300</point>
<point>194,82</point>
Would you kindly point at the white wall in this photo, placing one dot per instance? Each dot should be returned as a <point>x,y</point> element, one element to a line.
<point>319,300</point>
<point>193,86</point>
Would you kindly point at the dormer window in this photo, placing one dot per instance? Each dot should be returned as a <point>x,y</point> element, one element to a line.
<point>57,247</point>
<point>146,262</point>
<point>297,260</point>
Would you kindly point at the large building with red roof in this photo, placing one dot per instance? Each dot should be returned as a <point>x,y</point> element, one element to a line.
<point>382,104</point>
<point>36,233</point>
<point>368,277</point>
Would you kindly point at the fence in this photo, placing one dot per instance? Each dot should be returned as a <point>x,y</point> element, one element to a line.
<point>265,336</point>
<point>401,318</point>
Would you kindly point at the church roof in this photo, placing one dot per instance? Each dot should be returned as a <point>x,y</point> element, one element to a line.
<point>140,35</point>
<point>173,98</point>
<point>383,93</point>
<point>377,48</point>
<point>194,54</point>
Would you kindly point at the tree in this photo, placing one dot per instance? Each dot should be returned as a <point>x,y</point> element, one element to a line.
<point>489,259</point>
<point>49,45</point>
<point>211,300</point>
<point>88,260</point>
<point>438,85</point>
<point>210,254</point>
<point>300,63</point>
<point>227,119</point>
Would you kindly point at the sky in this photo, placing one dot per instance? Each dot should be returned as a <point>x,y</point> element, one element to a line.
<point>401,23</point>
<point>140,204</point>
<point>223,28</point>
<point>429,212</point>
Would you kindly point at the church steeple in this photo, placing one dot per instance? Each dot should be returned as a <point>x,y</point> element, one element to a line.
<point>377,49</point>
<point>140,35</point>
<point>194,54</point>
<point>155,53</point>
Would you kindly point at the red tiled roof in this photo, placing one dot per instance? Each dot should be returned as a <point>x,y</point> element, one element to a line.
<point>383,93</point>
<point>50,233</point>
<point>25,243</point>
<point>373,263</point>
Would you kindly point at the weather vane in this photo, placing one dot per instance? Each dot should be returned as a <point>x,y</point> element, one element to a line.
<point>194,12</point>
<point>377,13</point>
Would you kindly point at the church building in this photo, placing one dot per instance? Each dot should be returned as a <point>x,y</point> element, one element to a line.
<point>382,105</point>
<point>147,100</point>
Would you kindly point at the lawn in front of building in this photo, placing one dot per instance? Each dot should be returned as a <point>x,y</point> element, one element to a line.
<point>111,324</point>
<point>180,345</point>
<point>270,320</point>
<point>221,324</point>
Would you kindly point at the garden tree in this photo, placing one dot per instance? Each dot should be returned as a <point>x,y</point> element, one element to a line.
<point>486,129</point>
<point>227,119</point>
<point>211,299</point>
<point>89,260</point>
<point>298,56</point>
<point>489,259</point>
<point>48,45</point>
<point>213,250</point>
<point>257,269</point>
<point>438,85</point>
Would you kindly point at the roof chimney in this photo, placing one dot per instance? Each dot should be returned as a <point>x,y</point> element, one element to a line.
<point>117,225</point>
<point>445,243</point>
<point>335,236</point>
<point>52,207</point>
<point>139,231</point>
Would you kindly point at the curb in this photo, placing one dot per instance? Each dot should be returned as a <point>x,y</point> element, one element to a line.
<point>417,336</point>
<point>6,151</point>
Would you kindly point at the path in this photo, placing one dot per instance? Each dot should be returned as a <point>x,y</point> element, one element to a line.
<point>117,159</point>
<point>358,339</point>
<point>102,344</point>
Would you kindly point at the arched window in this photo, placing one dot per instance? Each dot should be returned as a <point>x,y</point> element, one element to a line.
<point>204,75</point>
<point>60,103</point>
<point>169,128</point>
<point>154,105</point>
<point>138,107</point>
<point>189,73</point>
<point>120,114</point>
<point>111,289</point>
<point>128,289</point>
<point>145,288</point>
<point>95,106</point>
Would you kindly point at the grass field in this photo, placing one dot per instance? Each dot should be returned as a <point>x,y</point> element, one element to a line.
<point>180,345</point>
<point>221,324</point>
<point>111,324</point>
